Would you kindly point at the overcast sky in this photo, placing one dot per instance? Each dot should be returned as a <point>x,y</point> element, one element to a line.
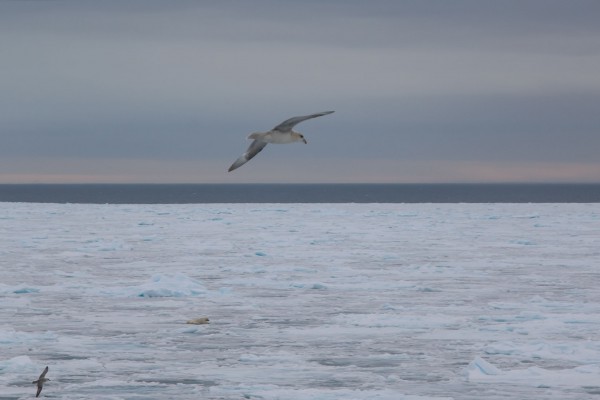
<point>424,91</point>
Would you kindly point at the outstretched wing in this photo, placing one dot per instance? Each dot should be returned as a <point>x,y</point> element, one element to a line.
<point>255,147</point>
<point>288,124</point>
<point>40,382</point>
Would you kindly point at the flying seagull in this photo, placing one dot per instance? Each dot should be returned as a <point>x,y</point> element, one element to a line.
<point>281,134</point>
<point>40,382</point>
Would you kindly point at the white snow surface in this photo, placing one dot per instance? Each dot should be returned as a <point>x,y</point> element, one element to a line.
<point>306,301</point>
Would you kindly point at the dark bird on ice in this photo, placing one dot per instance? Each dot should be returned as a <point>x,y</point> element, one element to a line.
<point>40,382</point>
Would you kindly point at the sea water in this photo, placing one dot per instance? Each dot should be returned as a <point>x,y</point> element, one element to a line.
<point>301,193</point>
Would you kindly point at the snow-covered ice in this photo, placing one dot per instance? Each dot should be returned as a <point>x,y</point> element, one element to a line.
<point>306,301</point>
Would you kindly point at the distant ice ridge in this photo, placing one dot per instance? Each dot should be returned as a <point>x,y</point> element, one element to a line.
<point>161,285</point>
<point>584,351</point>
<point>11,337</point>
<point>17,289</point>
<point>17,364</point>
<point>480,370</point>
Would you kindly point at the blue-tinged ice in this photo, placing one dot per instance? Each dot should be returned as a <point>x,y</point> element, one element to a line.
<point>161,285</point>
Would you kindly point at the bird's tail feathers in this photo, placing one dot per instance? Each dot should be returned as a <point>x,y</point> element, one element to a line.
<point>255,135</point>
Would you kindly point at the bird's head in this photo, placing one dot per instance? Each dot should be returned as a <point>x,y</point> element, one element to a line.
<point>300,137</point>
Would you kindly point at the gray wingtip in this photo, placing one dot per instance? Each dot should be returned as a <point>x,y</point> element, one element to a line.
<point>237,163</point>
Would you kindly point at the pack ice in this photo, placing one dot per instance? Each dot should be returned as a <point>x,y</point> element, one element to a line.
<point>306,301</point>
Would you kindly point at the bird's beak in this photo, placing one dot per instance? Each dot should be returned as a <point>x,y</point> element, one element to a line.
<point>305,142</point>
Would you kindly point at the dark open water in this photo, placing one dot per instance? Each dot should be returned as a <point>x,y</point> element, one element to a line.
<point>302,193</point>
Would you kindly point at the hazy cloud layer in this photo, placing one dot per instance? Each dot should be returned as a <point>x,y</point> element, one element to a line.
<point>157,91</point>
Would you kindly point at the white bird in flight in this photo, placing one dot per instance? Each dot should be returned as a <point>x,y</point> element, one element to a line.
<point>281,134</point>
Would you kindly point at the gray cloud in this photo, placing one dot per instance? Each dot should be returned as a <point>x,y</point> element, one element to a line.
<point>417,81</point>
